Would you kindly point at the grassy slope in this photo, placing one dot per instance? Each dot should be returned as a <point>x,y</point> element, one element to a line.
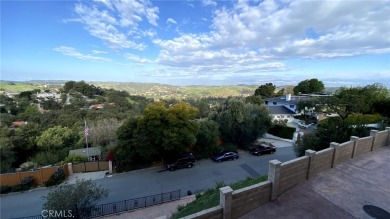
<point>17,88</point>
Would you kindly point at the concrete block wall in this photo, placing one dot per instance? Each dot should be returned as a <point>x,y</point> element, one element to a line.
<point>363,145</point>
<point>320,161</point>
<point>388,136</point>
<point>380,138</point>
<point>283,176</point>
<point>292,172</point>
<point>247,199</point>
<point>342,152</point>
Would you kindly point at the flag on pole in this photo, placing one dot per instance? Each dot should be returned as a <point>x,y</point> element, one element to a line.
<point>86,130</point>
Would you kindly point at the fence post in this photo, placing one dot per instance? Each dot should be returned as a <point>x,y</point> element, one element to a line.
<point>311,171</point>
<point>335,147</point>
<point>110,166</point>
<point>19,177</point>
<point>354,139</point>
<point>225,200</point>
<point>374,134</point>
<point>70,169</point>
<point>274,177</point>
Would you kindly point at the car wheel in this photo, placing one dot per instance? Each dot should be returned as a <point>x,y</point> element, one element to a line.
<point>171,169</point>
<point>219,161</point>
<point>189,165</point>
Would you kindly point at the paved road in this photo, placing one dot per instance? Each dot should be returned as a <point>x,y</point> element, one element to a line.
<point>146,182</point>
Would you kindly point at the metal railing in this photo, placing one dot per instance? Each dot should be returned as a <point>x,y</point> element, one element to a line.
<point>121,206</point>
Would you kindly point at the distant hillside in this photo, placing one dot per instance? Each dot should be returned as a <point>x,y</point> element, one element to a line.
<point>151,90</point>
<point>16,87</point>
<point>157,91</point>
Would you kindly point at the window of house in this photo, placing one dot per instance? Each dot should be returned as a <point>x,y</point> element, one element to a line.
<point>274,103</point>
<point>266,102</point>
<point>291,106</point>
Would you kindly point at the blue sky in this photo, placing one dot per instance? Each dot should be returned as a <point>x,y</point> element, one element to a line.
<point>198,42</point>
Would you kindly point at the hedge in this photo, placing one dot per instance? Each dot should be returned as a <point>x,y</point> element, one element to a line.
<point>282,131</point>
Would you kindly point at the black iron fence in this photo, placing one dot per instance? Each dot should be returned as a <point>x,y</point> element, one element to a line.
<point>114,207</point>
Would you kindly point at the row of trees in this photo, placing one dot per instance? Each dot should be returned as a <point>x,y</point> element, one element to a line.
<point>164,132</point>
<point>355,106</point>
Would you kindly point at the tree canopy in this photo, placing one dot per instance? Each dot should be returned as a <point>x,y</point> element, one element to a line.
<point>242,123</point>
<point>160,132</point>
<point>76,199</point>
<point>265,90</point>
<point>309,86</point>
<point>347,101</point>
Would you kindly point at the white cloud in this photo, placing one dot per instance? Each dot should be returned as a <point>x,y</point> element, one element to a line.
<point>113,23</point>
<point>250,36</point>
<point>98,52</point>
<point>209,3</point>
<point>137,59</point>
<point>70,51</point>
<point>171,20</point>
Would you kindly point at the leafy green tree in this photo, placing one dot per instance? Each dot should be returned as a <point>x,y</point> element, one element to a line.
<point>77,199</point>
<point>7,155</point>
<point>206,140</point>
<point>382,107</point>
<point>308,141</point>
<point>266,90</point>
<point>254,100</point>
<point>57,138</point>
<point>23,139</point>
<point>159,132</point>
<point>347,101</point>
<point>309,107</point>
<point>25,94</point>
<point>309,86</point>
<point>281,92</point>
<point>242,123</point>
<point>50,104</point>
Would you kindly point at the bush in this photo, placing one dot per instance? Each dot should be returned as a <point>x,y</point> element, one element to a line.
<point>5,189</point>
<point>56,178</point>
<point>16,188</point>
<point>75,158</point>
<point>282,131</point>
<point>27,183</point>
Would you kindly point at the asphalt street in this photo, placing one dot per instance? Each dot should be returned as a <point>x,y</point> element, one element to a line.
<point>205,174</point>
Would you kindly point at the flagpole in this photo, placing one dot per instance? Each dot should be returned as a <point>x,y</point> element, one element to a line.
<point>86,137</point>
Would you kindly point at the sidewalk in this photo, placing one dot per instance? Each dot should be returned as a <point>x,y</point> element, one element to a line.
<point>86,176</point>
<point>276,141</point>
<point>356,188</point>
<point>158,211</point>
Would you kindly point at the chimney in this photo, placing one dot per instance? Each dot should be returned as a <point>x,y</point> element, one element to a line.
<point>288,97</point>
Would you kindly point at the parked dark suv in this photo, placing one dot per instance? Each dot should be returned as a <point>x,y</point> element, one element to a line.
<point>185,161</point>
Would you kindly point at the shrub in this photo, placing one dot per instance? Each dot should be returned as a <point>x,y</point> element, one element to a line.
<point>75,158</point>
<point>16,188</point>
<point>5,189</point>
<point>282,131</point>
<point>27,183</point>
<point>56,178</point>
